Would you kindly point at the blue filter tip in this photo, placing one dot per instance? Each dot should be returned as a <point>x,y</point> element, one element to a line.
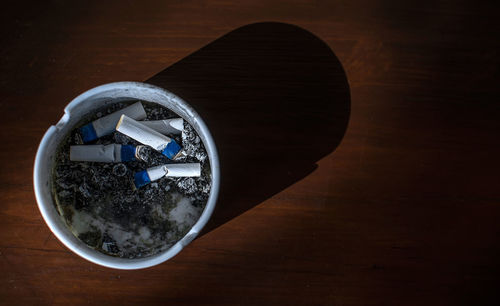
<point>88,133</point>
<point>127,153</point>
<point>171,149</point>
<point>141,179</point>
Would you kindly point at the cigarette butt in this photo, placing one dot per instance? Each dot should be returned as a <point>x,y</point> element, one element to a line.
<point>167,126</point>
<point>147,136</point>
<point>183,170</point>
<point>152,174</point>
<point>106,125</point>
<point>112,153</point>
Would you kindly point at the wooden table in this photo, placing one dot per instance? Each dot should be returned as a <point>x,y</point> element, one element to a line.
<point>360,163</point>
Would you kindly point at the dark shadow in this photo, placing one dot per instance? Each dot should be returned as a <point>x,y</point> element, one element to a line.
<point>276,100</point>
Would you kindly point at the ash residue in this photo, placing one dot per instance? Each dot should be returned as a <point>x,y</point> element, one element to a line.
<point>194,152</point>
<point>102,208</point>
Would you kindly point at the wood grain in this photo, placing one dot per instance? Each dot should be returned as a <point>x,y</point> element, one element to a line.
<point>403,210</point>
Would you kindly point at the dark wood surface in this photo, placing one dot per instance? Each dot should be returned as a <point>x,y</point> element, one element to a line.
<point>401,205</point>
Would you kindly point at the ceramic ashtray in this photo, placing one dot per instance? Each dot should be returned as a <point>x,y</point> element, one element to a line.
<point>128,176</point>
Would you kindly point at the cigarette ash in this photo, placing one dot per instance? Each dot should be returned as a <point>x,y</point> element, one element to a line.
<point>101,207</point>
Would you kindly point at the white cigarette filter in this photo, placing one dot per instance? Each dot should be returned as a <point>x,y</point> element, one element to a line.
<point>149,175</point>
<point>167,126</point>
<point>106,125</point>
<point>112,153</point>
<point>145,135</point>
